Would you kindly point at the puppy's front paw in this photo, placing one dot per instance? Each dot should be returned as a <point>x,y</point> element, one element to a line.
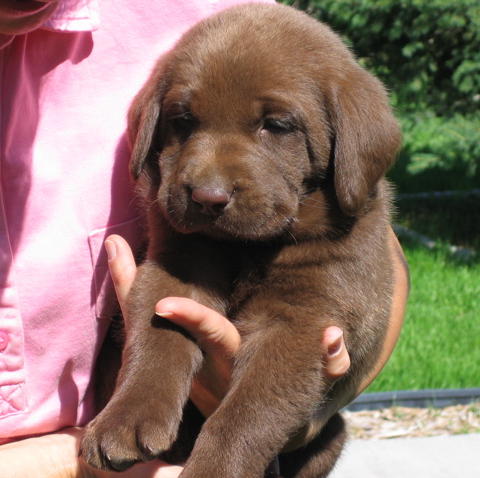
<point>124,435</point>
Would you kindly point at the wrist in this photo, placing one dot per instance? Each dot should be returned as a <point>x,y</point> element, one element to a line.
<point>47,456</point>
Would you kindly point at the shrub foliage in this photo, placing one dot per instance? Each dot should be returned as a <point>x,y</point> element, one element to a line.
<point>426,51</point>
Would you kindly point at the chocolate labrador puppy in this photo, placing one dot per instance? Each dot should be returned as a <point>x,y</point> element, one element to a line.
<point>260,146</point>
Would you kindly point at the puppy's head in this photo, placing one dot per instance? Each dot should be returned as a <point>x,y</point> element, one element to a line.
<point>252,108</point>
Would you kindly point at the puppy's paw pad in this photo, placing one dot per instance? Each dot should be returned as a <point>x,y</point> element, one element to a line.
<point>119,463</point>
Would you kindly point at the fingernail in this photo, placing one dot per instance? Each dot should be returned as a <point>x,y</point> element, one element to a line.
<point>165,315</point>
<point>111,250</point>
<point>335,347</point>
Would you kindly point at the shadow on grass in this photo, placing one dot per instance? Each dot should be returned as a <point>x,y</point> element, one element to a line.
<point>451,222</point>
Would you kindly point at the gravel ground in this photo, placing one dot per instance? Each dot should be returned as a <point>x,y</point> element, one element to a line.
<point>399,422</point>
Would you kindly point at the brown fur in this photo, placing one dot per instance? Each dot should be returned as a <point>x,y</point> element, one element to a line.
<point>295,137</point>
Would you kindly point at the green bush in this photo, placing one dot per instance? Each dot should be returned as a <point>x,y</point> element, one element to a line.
<point>426,51</point>
<point>438,153</point>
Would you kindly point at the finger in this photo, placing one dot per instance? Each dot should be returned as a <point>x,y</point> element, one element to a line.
<point>214,333</point>
<point>337,359</point>
<point>122,266</point>
<point>153,469</point>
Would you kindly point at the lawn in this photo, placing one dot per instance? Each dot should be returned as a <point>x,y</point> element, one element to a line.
<point>440,342</point>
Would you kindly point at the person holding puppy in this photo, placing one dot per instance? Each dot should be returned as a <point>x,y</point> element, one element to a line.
<point>69,72</point>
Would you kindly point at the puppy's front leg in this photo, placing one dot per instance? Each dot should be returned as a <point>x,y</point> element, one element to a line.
<point>276,386</point>
<point>158,363</point>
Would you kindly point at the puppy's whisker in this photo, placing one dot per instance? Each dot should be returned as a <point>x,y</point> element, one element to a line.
<point>311,200</point>
<point>317,207</point>
<point>151,202</point>
<point>292,236</point>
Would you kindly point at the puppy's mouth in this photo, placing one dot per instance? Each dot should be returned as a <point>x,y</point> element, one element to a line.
<point>224,214</point>
<point>188,216</point>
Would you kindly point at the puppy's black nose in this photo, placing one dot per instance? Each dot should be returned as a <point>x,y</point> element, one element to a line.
<point>212,200</point>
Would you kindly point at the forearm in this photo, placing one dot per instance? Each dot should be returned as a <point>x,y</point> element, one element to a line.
<point>397,314</point>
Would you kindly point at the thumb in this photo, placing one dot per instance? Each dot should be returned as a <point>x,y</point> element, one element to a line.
<point>122,266</point>
<point>216,335</point>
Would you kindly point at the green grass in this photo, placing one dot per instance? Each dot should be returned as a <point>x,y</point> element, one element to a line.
<point>440,342</point>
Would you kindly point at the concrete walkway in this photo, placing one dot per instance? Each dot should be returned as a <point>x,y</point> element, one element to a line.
<point>453,456</point>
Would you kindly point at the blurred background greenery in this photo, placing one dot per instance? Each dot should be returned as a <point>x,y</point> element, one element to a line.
<point>427,52</point>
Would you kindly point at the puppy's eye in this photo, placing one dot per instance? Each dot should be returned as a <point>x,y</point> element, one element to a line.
<point>278,126</point>
<point>183,124</point>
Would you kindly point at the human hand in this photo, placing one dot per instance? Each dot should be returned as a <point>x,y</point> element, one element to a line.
<point>56,456</point>
<point>216,335</point>
<point>220,340</point>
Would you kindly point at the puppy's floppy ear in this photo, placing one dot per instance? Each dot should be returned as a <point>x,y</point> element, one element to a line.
<point>366,137</point>
<point>143,117</point>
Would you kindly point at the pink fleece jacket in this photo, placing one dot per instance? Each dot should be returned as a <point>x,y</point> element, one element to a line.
<point>64,186</point>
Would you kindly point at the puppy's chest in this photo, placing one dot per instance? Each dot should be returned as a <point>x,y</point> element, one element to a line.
<point>228,276</point>
<point>223,275</point>
<point>247,283</point>
<point>263,271</point>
